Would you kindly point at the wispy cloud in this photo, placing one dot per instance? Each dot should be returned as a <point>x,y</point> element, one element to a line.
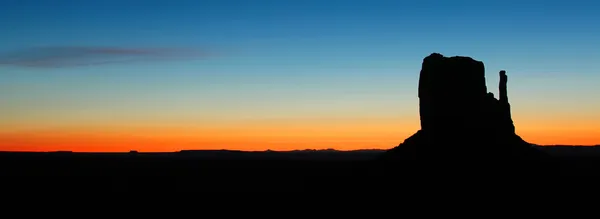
<point>67,56</point>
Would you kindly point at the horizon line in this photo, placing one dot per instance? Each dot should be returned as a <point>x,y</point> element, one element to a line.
<point>250,151</point>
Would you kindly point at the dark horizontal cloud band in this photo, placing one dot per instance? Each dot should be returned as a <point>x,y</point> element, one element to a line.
<point>67,56</point>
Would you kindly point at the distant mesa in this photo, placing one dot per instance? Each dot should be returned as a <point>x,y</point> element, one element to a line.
<point>459,117</point>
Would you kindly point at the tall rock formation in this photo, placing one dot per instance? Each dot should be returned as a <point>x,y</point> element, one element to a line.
<point>451,93</point>
<point>459,117</point>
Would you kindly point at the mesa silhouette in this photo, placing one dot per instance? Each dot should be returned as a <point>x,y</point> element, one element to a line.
<point>460,119</point>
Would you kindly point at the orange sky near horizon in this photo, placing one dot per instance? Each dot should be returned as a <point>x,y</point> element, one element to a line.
<point>259,135</point>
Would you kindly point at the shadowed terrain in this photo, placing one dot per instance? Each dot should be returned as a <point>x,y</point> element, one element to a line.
<point>235,171</point>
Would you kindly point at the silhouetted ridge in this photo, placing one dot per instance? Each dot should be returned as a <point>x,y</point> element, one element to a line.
<point>459,117</point>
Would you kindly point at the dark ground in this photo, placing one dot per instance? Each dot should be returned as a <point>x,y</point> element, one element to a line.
<point>227,171</point>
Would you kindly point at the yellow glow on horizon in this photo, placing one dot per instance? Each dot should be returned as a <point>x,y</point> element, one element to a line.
<point>283,134</point>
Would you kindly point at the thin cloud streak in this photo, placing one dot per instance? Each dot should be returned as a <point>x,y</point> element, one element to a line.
<point>70,56</point>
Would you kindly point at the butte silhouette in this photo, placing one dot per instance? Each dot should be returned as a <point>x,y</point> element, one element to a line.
<point>460,119</point>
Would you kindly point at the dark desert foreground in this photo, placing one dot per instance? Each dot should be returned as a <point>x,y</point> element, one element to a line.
<point>234,171</point>
<point>188,171</point>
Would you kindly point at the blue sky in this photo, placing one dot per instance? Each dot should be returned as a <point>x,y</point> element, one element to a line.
<point>293,59</point>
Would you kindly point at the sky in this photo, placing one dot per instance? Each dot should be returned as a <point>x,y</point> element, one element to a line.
<point>87,75</point>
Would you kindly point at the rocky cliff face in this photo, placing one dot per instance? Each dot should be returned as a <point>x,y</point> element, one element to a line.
<point>459,117</point>
<point>451,93</point>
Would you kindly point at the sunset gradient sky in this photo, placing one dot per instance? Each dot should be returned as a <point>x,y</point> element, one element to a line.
<point>120,75</point>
